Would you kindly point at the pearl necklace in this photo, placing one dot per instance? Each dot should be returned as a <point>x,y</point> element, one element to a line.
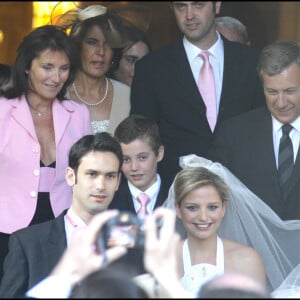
<point>91,104</point>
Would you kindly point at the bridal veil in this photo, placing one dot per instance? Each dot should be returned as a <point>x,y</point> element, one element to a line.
<point>248,220</point>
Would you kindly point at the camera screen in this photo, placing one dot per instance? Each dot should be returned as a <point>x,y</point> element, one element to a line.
<point>122,235</point>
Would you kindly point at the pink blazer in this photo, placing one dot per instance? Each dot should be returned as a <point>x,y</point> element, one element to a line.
<point>20,158</point>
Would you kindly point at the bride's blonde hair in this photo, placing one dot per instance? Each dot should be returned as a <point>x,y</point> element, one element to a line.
<point>192,178</point>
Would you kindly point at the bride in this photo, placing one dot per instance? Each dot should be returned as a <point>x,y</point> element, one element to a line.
<point>249,221</point>
<point>200,203</point>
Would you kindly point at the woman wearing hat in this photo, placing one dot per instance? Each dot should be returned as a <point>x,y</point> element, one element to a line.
<point>96,33</point>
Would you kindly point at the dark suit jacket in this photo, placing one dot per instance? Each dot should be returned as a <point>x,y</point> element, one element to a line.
<point>33,253</point>
<point>123,199</point>
<point>244,145</point>
<point>164,89</point>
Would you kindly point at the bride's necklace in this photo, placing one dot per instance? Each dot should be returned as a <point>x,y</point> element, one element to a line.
<point>87,103</point>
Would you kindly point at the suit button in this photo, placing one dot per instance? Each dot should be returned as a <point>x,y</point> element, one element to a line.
<point>36,172</point>
<point>33,194</point>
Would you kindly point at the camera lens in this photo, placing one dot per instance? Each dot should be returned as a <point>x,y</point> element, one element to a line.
<point>126,229</point>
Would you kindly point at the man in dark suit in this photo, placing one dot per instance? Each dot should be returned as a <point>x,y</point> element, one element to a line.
<point>249,144</point>
<point>142,152</point>
<point>94,175</point>
<point>165,84</point>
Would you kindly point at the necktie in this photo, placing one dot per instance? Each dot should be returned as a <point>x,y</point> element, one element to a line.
<point>144,200</point>
<point>285,158</point>
<point>207,89</point>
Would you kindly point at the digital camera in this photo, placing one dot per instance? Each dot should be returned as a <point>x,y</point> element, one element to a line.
<point>125,229</point>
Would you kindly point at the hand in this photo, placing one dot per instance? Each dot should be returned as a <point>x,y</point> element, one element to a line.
<point>160,254</point>
<point>82,257</point>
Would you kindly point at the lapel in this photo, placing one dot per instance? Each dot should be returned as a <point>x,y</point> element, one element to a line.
<point>123,199</point>
<point>295,175</point>
<point>162,195</point>
<point>61,117</point>
<point>266,149</point>
<point>185,84</point>
<point>231,69</point>
<point>21,114</point>
<point>128,200</point>
<point>55,241</point>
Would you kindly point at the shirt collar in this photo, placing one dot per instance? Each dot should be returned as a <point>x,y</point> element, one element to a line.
<point>192,51</point>
<point>73,219</point>
<point>277,125</point>
<point>151,191</point>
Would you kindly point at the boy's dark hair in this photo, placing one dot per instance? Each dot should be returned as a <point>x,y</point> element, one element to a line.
<point>139,127</point>
<point>102,142</point>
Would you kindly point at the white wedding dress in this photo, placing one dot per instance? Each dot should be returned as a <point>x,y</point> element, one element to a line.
<point>248,220</point>
<point>196,275</point>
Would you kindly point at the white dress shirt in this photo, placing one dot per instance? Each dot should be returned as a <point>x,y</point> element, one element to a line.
<point>216,59</point>
<point>152,192</point>
<point>294,135</point>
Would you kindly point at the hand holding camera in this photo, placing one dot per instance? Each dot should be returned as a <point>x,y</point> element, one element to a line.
<point>82,257</point>
<point>125,229</point>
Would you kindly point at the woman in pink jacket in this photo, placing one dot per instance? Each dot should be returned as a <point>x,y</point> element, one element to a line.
<point>38,127</point>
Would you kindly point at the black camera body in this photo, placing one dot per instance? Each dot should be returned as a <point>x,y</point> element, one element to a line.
<point>125,229</point>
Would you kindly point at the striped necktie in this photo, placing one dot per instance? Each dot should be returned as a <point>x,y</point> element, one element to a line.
<point>285,159</point>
